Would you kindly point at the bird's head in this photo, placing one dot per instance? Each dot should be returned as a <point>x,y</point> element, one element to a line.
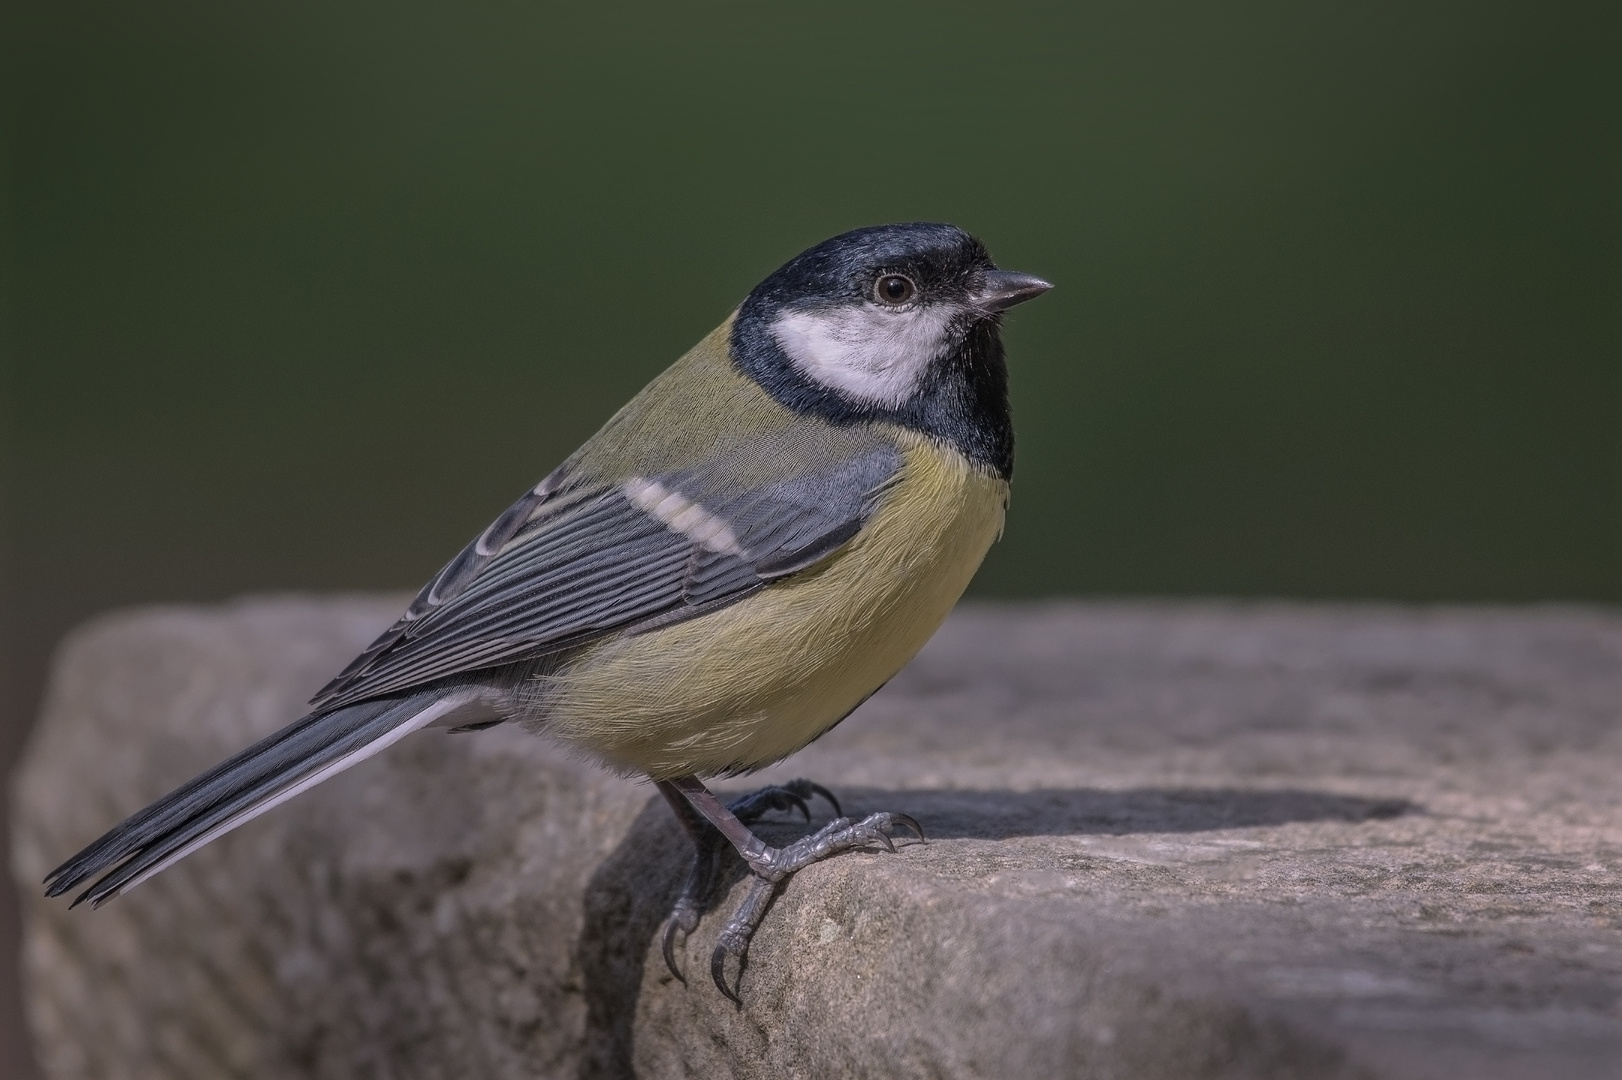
<point>892,322</point>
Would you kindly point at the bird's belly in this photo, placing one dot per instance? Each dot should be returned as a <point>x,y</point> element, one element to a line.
<point>749,684</point>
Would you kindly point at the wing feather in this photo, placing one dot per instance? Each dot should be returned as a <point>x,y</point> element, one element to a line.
<point>569,562</point>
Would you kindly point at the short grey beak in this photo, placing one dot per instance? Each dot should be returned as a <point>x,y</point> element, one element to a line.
<point>1002,289</point>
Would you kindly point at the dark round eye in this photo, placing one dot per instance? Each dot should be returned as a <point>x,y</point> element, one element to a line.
<point>894,289</point>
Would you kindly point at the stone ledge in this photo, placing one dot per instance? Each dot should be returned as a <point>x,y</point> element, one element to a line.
<point>1167,840</point>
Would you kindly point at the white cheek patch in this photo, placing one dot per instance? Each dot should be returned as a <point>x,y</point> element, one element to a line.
<point>874,355</point>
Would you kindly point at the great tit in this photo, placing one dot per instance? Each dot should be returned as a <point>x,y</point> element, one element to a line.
<point>742,555</point>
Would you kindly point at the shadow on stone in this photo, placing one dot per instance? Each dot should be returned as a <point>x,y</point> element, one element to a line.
<point>628,897</point>
<point>1002,815</point>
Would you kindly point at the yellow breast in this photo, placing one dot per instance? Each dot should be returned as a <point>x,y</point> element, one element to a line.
<point>749,684</point>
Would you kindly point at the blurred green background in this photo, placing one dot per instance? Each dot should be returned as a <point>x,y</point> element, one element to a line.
<point>298,296</point>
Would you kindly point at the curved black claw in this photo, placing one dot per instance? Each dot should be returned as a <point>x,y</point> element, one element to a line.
<point>718,972</point>
<point>813,788</point>
<point>789,799</point>
<point>668,948</point>
<point>909,821</point>
<point>738,932</point>
<point>695,893</point>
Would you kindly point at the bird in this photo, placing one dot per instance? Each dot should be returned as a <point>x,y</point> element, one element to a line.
<point>743,554</point>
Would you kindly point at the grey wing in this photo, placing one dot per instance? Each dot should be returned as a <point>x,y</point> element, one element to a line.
<point>566,564</point>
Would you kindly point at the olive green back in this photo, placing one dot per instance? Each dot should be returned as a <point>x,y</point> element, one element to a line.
<point>701,414</point>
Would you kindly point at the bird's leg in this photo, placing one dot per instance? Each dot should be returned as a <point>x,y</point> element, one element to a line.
<point>684,916</point>
<point>708,844</point>
<point>771,865</point>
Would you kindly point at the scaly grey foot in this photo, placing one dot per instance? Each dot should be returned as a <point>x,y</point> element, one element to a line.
<point>708,844</point>
<point>771,865</point>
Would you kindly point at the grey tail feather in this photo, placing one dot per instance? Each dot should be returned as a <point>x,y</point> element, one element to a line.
<point>238,789</point>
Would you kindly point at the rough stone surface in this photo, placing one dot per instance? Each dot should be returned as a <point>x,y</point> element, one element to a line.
<point>1173,841</point>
